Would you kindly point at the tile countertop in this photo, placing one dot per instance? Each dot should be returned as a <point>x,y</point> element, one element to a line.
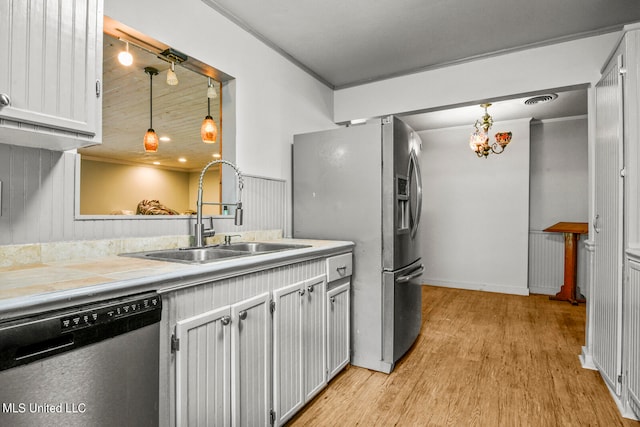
<point>31,289</point>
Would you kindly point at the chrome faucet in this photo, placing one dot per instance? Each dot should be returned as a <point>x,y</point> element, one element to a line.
<point>200,231</point>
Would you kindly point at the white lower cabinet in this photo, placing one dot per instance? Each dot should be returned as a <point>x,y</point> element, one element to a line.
<point>338,328</point>
<point>223,366</point>
<point>299,345</point>
<point>254,360</point>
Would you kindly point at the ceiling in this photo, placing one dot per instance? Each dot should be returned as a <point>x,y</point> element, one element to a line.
<point>346,43</point>
<point>570,103</point>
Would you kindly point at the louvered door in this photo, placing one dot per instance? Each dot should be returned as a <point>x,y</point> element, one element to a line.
<point>606,299</point>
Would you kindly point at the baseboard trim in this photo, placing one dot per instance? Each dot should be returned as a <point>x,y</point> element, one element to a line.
<point>586,360</point>
<point>513,290</point>
<point>624,409</point>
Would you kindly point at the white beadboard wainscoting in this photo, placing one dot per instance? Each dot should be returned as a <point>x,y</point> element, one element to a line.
<point>546,263</point>
<point>632,310</point>
<point>38,204</point>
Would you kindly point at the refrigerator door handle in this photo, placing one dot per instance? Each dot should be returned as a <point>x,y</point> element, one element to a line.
<point>414,173</point>
<point>415,273</point>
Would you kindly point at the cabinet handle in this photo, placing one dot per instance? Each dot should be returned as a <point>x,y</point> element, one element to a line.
<point>98,88</point>
<point>333,300</point>
<point>5,100</point>
<point>301,292</point>
<point>225,320</point>
<point>242,315</point>
<point>596,223</point>
<point>342,270</point>
<point>310,289</point>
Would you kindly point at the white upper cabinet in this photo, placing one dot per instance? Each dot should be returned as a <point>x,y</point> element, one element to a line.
<point>50,72</point>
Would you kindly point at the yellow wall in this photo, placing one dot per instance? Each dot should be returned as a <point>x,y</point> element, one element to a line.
<point>108,187</point>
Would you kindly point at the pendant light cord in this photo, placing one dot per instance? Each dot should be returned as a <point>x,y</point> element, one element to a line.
<point>150,101</point>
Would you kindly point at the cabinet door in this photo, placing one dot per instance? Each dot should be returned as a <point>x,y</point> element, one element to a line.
<point>203,368</point>
<point>288,395</point>
<point>338,329</point>
<point>314,336</point>
<point>251,362</point>
<point>50,66</point>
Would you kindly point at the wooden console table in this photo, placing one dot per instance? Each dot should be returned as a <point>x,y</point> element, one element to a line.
<point>572,232</point>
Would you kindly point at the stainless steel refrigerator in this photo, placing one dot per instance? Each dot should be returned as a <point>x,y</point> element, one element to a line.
<point>362,183</point>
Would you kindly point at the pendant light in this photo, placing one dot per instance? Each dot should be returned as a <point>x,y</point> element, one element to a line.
<point>479,140</point>
<point>209,130</point>
<point>150,138</point>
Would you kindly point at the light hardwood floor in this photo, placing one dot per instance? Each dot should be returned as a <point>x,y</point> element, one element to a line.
<point>482,359</point>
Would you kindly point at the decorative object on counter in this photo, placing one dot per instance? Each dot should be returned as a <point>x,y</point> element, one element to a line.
<point>125,57</point>
<point>150,138</point>
<point>209,130</point>
<point>200,231</point>
<point>154,207</point>
<point>479,141</point>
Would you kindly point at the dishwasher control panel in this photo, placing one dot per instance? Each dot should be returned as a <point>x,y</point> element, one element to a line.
<point>109,313</point>
<point>27,339</point>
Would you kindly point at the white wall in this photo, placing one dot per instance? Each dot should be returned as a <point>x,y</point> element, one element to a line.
<point>559,175</point>
<point>559,191</point>
<point>475,218</point>
<point>558,185</point>
<point>554,66</point>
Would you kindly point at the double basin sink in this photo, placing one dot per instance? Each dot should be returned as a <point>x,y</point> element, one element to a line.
<point>215,253</point>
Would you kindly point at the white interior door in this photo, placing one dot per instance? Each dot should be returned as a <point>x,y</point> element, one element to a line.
<point>606,299</point>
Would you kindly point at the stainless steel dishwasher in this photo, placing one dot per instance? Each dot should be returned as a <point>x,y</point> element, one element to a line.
<point>90,365</point>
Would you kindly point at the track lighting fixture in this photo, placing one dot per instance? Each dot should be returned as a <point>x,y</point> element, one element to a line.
<point>211,90</point>
<point>125,57</point>
<point>172,78</point>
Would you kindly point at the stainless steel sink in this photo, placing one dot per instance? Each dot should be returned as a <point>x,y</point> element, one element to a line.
<point>259,247</point>
<point>189,255</point>
<point>214,253</point>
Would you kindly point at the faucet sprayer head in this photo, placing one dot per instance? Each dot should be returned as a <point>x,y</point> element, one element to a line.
<point>238,215</point>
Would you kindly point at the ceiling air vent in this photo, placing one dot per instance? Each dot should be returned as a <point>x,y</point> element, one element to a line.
<point>541,99</point>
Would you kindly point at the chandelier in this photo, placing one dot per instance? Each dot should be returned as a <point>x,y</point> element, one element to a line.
<point>479,141</point>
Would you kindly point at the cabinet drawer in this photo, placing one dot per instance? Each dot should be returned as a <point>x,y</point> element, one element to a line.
<point>339,266</point>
